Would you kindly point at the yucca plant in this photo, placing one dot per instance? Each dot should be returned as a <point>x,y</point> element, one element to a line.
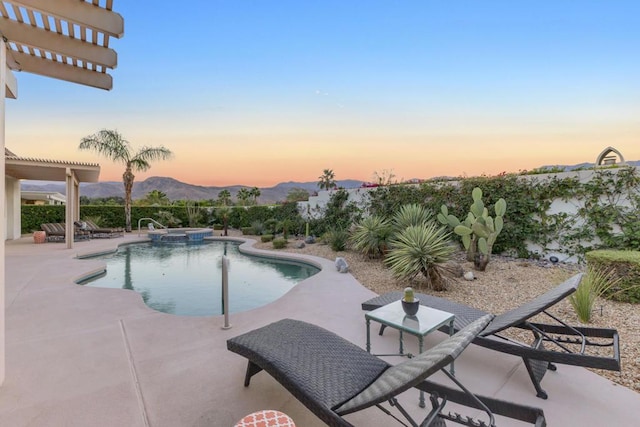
<point>421,249</point>
<point>371,236</point>
<point>411,214</point>
<point>594,284</point>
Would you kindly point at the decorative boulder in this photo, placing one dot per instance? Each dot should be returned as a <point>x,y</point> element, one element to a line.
<point>469,275</point>
<point>341,265</point>
<point>300,245</point>
<point>310,239</point>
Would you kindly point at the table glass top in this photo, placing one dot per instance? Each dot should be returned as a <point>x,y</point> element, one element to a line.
<point>426,320</point>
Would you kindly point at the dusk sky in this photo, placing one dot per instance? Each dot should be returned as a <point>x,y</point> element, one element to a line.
<point>260,92</point>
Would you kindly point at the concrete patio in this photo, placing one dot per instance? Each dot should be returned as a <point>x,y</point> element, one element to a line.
<point>79,356</point>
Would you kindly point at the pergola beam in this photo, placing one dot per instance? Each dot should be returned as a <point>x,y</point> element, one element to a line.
<point>79,12</point>
<point>49,41</point>
<point>11,86</point>
<point>58,70</point>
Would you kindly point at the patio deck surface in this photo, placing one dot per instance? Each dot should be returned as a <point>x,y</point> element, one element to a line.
<point>80,356</point>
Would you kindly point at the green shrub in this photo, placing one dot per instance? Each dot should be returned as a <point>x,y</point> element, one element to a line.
<point>258,227</point>
<point>279,243</point>
<point>625,267</point>
<point>371,236</point>
<point>266,238</point>
<point>336,238</point>
<point>421,249</point>
<point>248,231</point>
<point>594,284</point>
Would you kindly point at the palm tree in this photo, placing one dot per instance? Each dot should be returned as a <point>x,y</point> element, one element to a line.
<point>156,198</point>
<point>255,193</point>
<point>224,213</point>
<point>243,195</point>
<point>112,145</point>
<point>327,180</point>
<point>224,197</point>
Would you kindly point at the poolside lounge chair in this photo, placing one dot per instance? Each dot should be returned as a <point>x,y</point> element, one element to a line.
<point>333,377</point>
<point>568,344</point>
<point>56,232</point>
<point>100,232</point>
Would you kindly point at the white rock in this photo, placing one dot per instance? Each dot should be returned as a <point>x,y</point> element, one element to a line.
<point>469,275</point>
<point>341,265</point>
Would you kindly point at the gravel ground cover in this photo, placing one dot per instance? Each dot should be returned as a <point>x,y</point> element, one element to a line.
<point>505,284</point>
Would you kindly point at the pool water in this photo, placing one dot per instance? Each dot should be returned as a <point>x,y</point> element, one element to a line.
<point>186,278</point>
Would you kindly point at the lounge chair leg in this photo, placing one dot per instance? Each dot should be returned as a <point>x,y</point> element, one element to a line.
<point>536,370</point>
<point>252,369</point>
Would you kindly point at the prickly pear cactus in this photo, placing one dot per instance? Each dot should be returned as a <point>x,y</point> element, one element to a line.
<point>479,230</point>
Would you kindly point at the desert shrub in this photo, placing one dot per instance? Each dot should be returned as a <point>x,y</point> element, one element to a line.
<point>279,243</point>
<point>421,249</point>
<point>371,236</point>
<point>270,225</point>
<point>167,219</point>
<point>258,227</point>
<point>594,284</point>
<point>336,238</point>
<point>247,231</point>
<point>266,238</point>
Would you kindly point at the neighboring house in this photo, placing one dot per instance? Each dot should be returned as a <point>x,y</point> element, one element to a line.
<point>18,168</point>
<point>42,198</point>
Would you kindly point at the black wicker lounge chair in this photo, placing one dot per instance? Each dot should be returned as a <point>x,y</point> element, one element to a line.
<point>100,232</point>
<point>333,377</point>
<point>567,344</point>
<point>56,232</point>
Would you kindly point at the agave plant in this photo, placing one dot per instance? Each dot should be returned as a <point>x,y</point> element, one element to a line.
<point>421,249</point>
<point>371,236</point>
<point>411,214</point>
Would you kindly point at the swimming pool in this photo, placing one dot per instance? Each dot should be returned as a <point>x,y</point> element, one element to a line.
<point>185,278</point>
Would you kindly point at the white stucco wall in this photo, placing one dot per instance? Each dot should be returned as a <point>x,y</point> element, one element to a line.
<point>314,208</point>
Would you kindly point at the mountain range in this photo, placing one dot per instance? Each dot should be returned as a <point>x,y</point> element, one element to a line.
<point>177,190</point>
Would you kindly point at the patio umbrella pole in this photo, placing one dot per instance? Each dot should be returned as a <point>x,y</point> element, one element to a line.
<point>225,292</point>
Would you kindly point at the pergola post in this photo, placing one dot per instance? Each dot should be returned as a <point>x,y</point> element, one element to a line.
<point>3,82</point>
<point>72,208</point>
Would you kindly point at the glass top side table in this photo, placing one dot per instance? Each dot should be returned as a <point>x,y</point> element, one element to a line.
<point>425,321</point>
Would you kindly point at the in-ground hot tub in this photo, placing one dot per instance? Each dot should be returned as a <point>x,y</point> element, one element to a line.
<point>180,234</point>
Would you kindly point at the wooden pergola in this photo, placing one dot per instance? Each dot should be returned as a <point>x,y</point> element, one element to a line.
<point>62,39</point>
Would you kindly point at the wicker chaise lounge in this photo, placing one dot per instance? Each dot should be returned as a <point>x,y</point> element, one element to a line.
<point>56,232</point>
<point>567,344</point>
<point>100,232</point>
<point>333,377</point>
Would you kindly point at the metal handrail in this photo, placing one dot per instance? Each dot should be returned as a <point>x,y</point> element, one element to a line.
<point>151,220</point>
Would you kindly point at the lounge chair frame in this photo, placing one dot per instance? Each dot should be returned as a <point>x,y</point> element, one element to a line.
<point>333,377</point>
<point>56,232</point>
<point>101,232</point>
<point>538,358</point>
